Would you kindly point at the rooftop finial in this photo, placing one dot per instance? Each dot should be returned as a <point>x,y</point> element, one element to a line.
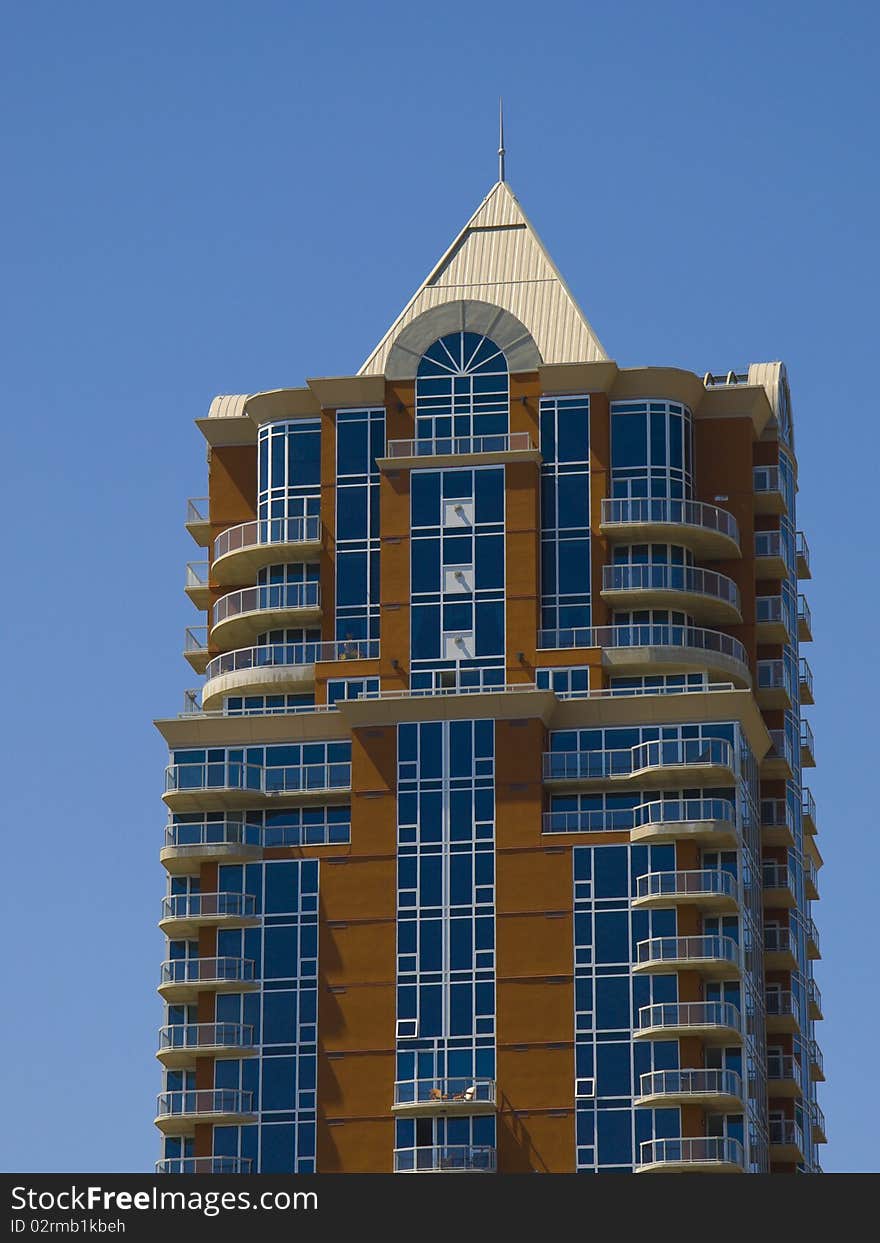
<point>501,151</point>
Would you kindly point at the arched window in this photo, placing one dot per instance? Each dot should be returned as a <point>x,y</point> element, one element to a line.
<point>462,388</point>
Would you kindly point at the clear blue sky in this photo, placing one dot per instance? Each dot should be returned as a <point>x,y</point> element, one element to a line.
<point>227,197</point>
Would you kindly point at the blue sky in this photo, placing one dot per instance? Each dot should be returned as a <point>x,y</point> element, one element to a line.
<point>204,198</point>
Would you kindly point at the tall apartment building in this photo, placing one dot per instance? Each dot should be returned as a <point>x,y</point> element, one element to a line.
<point>488,847</point>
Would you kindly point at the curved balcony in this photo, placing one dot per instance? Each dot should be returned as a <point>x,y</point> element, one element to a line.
<point>231,784</point>
<point>709,532</point>
<point>428,1097</point>
<point>785,1076</point>
<point>179,1112</point>
<point>714,1022</point>
<point>228,840</point>
<point>780,950</point>
<point>446,1159</point>
<point>647,649</point>
<point>240,552</point>
<point>273,668</point>
<point>709,890</point>
<point>183,914</point>
<point>182,979</point>
<point>237,618</point>
<point>712,956</point>
<point>707,596</point>
<point>180,1044</point>
<point>691,1156</point>
<point>781,1011</point>
<point>204,1165</point>
<point>711,821</point>
<point>691,762</point>
<point>778,886</point>
<point>720,1090</point>
<point>786,1142</point>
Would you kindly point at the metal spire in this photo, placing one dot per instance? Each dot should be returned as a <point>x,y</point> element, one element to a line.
<point>501,151</point>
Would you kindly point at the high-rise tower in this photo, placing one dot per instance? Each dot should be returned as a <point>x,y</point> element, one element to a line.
<point>488,847</point>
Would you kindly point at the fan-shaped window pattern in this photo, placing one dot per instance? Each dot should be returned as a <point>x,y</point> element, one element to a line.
<point>462,388</point>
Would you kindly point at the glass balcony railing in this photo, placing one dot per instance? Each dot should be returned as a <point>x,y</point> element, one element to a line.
<point>662,511</point>
<point>451,1158</point>
<point>805,620</point>
<point>235,775</point>
<point>805,679</point>
<point>779,941</point>
<point>780,1004</point>
<point>282,655</point>
<point>699,1015</point>
<point>209,906</point>
<point>302,530</point>
<point>678,578</point>
<point>196,578</point>
<point>231,834</point>
<point>770,544</point>
<point>704,1151</point>
<point>816,1060</point>
<point>710,882</point>
<point>776,675</point>
<point>456,1093</point>
<point>195,640</point>
<point>808,744</point>
<point>269,597</point>
<point>700,1083</point>
<point>454,446</point>
<point>692,637</point>
<point>815,999</point>
<point>812,938</point>
<point>785,1132</point>
<point>808,809</point>
<point>781,749</point>
<point>777,876</point>
<point>201,1101</point>
<point>802,552</point>
<point>658,811</point>
<point>599,765</point>
<point>197,510</point>
<point>196,1037</point>
<point>207,971</point>
<point>694,949</point>
<point>204,1165</point>
<point>783,1068</point>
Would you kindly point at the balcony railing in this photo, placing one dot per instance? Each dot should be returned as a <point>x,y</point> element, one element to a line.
<point>805,678</point>
<point>815,998</point>
<point>783,1068</point>
<point>269,596</point>
<point>708,1151</point>
<point>204,1101</point>
<point>658,811</point>
<point>802,552</point>
<point>601,765</point>
<point>458,1093</point>
<point>780,1004</point>
<point>196,575</point>
<point>194,838</point>
<point>209,906</point>
<point>678,578</point>
<point>805,620</point>
<point>709,882</point>
<point>687,949</point>
<point>657,511</point>
<point>808,744</point>
<point>701,1015</point>
<point>278,655</point>
<point>785,1132</point>
<point>808,809</point>
<point>779,941</point>
<point>694,637</point>
<point>812,938</point>
<point>780,748</point>
<point>192,1037</point>
<point>448,1158</point>
<point>775,675</point>
<point>198,509</point>
<point>691,1083</point>
<point>207,971</point>
<point>455,446</point>
<point>234,775</point>
<point>770,544</point>
<point>195,639</point>
<point>777,876</point>
<point>817,1060</point>
<point>204,1165</point>
<point>302,530</point>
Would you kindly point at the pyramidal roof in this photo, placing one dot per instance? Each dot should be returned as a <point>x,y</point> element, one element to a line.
<point>498,258</point>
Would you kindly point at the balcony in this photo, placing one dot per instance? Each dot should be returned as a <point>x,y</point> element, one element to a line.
<point>712,956</point>
<point>459,451</point>
<point>179,1112</point>
<point>710,890</point>
<point>816,1063</point>
<point>710,821</point>
<point>196,583</point>
<point>778,886</point>
<point>240,552</point>
<point>802,556</point>
<point>228,840</point>
<point>182,979</point>
<point>786,1142</point>
<point>785,1076</point>
<point>781,1012</point>
<point>240,616</point>
<point>808,752</point>
<point>813,950</point>
<point>814,1000</point>
<point>273,668</point>
<point>652,649</point>
<point>770,558</point>
<point>774,686</point>
<point>233,784</point>
<point>198,521</point>
<point>769,496</point>
<point>820,1134</point>
<point>707,596</point>
<point>777,823</point>
<point>691,1156</point>
<point>714,1022</point>
<point>804,621</point>
<point>183,914</point>
<point>770,623</point>
<point>446,1159</point>
<point>808,811</point>
<point>805,681</point>
<point>204,1165</point>
<point>718,1090</point>
<point>779,762</point>
<point>811,880</point>
<point>195,647</point>
<point>779,949</point>
<point>691,762</point>
<point>429,1097</point>
<point>709,532</point>
<point>181,1044</point>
